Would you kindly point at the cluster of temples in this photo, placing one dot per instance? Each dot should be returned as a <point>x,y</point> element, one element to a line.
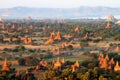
<point>13,28</point>
<point>52,38</point>
<point>108,64</point>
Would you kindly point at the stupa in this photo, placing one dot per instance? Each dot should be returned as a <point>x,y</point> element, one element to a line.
<point>50,40</point>
<point>57,64</point>
<point>5,66</point>
<point>86,36</point>
<point>58,36</point>
<point>76,64</point>
<point>117,67</point>
<point>117,49</point>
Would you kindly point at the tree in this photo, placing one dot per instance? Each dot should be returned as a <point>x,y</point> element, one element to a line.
<point>86,76</point>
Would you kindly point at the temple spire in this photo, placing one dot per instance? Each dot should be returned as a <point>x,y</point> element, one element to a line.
<point>5,66</point>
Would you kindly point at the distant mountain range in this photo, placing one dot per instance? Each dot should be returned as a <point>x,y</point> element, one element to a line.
<point>81,12</point>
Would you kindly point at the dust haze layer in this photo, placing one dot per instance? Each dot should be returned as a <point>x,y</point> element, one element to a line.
<point>66,13</point>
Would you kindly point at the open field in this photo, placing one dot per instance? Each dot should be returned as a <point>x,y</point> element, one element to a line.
<point>99,44</point>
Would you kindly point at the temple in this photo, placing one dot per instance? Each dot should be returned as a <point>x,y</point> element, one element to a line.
<point>57,64</point>
<point>105,63</point>
<point>58,36</point>
<point>86,36</point>
<point>50,40</point>
<point>5,66</point>
<point>27,40</point>
<point>63,61</point>
<point>117,49</point>
<point>43,63</point>
<point>117,67</point>
<point>76,64</point>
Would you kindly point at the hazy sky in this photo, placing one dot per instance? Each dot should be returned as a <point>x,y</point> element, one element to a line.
<point>58,3</point>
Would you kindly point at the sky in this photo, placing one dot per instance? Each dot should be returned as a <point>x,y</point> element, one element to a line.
<point>58,3</point>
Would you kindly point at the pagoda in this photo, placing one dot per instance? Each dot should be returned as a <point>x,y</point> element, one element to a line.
<point>30,40</point>
<point>63,61</point>
<point>111,62</point>
<point>5,66</point>
<point>25,40</point>
<point>58,36</point>
<point>117,67</point>
<point>76,64</point>
<point>104,64</point>
<point>50,40</point>
<point>117,49</point>
<point>106,57</point>
<point>73,68</point>
<point>57,64</point>
<point>86,36</point>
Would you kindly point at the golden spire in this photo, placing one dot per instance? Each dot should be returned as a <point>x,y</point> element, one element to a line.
<point>63,60</point>
<point>104,64</point>
<point>5,66</point>
<point>117,67</point>
<point>76,64</point>
<point>111,62</point>
<point>30,40</point>
<point>73,68</point>
<point>106,57</point>
<point>117,49</point>
<point>25,40</point>
<point>57,64</point>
